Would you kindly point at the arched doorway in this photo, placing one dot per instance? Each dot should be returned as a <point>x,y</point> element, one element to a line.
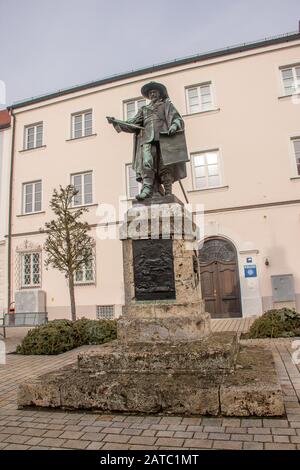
<point>220,278</point>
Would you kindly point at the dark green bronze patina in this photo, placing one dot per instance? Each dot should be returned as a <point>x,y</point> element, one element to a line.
<point>160,152</point>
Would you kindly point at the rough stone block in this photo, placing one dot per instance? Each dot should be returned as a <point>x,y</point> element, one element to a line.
<point>253,389</point>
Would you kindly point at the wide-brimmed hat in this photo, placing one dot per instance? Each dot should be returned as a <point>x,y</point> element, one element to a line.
<point>154,86</point>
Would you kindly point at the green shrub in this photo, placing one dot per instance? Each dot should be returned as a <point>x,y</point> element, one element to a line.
<point>280,323</point>
<point>59,336</point>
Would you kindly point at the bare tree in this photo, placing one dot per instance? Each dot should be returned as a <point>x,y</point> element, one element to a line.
<point>68,246</point>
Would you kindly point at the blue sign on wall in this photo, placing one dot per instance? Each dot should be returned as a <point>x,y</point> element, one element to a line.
<point>250,270</point>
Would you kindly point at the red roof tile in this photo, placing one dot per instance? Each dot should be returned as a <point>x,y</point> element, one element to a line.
<point>4,119</point>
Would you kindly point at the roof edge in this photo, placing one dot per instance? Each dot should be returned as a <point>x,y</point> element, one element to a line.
<point>287,37</point>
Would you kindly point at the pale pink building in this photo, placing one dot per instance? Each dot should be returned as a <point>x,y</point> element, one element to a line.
<point>241,108</point>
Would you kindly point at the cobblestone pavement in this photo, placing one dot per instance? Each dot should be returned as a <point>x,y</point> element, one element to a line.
<point>35,429</point>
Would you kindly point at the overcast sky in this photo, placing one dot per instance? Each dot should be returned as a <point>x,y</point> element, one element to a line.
<point>51,44</point>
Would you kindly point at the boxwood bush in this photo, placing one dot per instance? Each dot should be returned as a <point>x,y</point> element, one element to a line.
<point>59,336</point>
<point>276,323</point>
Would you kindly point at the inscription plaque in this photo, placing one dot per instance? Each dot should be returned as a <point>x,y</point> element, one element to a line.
<point>153,270</point>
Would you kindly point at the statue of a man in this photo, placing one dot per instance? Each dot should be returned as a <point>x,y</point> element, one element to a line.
<point>160,149</point>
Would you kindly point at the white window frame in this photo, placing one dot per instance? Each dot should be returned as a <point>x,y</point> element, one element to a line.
<point>82,195</point>
<point>128,166</point>
<point>198,87</point>
<point>34,202</point>
<point>82,115</point>
<point>295,167</point>
<point>136,102</point>
<point>31,284</point>
<point>109,309</point>
<point>84,280</point>
<point>26,132</point>
<point>296,82</point>
<point>220,172</point>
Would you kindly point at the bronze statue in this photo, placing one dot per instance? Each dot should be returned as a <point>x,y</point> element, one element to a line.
<point>160,149</point>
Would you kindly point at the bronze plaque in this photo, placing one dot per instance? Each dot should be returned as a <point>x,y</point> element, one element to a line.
<point>153,269</point>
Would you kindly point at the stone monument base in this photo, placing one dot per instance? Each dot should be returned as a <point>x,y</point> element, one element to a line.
<point>212,376</point>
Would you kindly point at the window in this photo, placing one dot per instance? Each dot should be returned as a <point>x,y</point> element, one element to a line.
<point>33,136</point>
<point>31,269</point>
<point>105,311</point>
<point>296,148</point>
<point>133,187</point>
<point>84,185</point>
<point>85,275</point>
<point>291,80</point>
<point>82,124</point>
<point>132,107</point>
<point>32,197</point>
<point>199,98</point>
<point>206,170</point>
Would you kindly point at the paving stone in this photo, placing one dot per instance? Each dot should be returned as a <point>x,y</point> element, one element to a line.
<point>191,421</point>
<point>195,428</point>
<point>295,439</point>
<point>111,430</point>
<point>16,447</point>
<point>184,434</point>
<point>34,441</point>
<point>177,427</point>
<point>228,445</point>
<point>251,423</point>
<point>253,446</point>
<point>34,432</point>
<point>283,439</point>
<point>165,433</point>
<point>212,421</point>
<point>280,447</point>
<point>284,431</point>
<point>52,442</point>
<point>275,423</point>
<point>75,444</point>
<point>171,420</point>
<point>164,441</point>
<point>259,431</point>
<point>142,440</point>
<point>200,435</point>
<point>214,429</point>
<point>52,433</point>
<point>132,432</point>
<point>117,438</point>
<point>93,436</point>
<point>71,435</point>
<point>219,435</point>
<point>263,438</point>
<point>115,446</point>
<point>149,432</point>
<point>237,430</point>
<point>231,422</point>
<point>95,446</point>
<point>17,439</point>
<point>241,437</point>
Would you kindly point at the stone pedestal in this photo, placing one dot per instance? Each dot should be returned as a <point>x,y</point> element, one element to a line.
<point>166,360</point>
<point>161,276</point>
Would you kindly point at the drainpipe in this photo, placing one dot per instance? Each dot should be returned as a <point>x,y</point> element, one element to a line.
<point>9,257</point>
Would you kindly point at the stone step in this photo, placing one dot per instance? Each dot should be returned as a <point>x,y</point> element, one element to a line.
<point>214,352</point>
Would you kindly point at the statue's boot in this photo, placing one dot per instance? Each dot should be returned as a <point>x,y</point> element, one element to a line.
<point>147,189</point>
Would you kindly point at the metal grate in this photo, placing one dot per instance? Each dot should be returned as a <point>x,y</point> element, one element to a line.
<point>105,311</point>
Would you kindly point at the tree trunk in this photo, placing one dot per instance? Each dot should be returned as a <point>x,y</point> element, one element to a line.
<point>72,297</point>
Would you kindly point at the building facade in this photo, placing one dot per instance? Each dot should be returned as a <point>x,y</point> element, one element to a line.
<point>241,112</point>
<point>5,153</point>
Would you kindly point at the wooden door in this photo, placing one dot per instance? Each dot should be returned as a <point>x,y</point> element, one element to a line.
<point>220,278</point>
